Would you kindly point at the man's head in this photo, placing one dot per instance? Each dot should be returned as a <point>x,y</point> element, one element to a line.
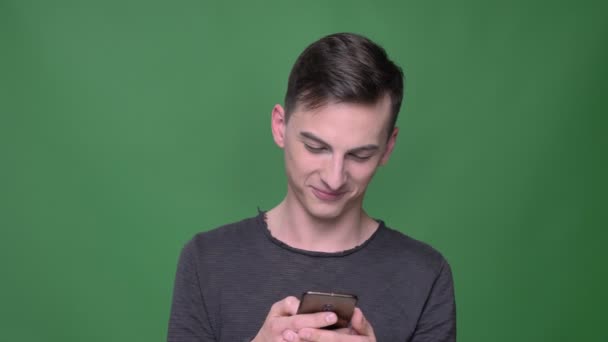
<point>338,125</point>
<point>344,67</point>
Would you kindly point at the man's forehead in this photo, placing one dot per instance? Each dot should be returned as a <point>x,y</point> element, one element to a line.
<point>343,123</point>
<point>383,101</point>
<point>305,135</point>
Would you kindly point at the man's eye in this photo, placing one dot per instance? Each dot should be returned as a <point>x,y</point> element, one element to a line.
<point>358,157</point>
<point>315,149</point>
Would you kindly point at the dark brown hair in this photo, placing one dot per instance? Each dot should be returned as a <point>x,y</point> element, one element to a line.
<point>344,67</point>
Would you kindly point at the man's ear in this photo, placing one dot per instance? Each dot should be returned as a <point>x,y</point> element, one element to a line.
<point>278,125</point>
<point>390,145</point>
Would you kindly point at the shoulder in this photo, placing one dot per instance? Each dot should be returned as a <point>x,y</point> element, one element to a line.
<point>406,250</point>
<point>225,239</point>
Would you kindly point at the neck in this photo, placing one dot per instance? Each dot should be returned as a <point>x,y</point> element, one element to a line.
<point>293,225</point>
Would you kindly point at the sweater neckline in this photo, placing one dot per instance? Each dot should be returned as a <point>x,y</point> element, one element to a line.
<point>261,220</point>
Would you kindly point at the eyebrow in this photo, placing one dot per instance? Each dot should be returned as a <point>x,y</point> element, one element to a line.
<point>364,148</point>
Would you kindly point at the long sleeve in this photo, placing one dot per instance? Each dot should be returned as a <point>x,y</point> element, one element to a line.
<point>188,321</point>
<point>438,320</point>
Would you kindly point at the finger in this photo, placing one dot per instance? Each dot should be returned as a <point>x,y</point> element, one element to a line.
<point>344,331</point>
<point>291,336</point>
<point>360,324</point>
<point>315,320</point>
<point>317,335</point>
<point>285,307</point>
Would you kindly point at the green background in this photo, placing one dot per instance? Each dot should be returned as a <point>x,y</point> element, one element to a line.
<point>128,126</point>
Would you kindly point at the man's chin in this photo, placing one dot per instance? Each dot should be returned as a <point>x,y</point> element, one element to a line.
<point>326,212</point>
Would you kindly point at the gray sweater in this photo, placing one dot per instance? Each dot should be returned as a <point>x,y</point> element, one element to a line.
<point>228,278</point>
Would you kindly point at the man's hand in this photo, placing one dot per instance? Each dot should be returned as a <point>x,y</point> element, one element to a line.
<point>282,324</point>
<point>361,331</point>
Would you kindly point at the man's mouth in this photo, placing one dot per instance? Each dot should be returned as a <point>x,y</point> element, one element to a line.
<point>327,195</point>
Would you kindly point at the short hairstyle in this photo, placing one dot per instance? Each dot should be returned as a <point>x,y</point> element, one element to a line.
<point>344,67</point>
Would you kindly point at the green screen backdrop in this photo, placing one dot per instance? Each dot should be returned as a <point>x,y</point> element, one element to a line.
<point>128,126</point>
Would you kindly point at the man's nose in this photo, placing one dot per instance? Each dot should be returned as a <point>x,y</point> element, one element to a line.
<point>335,174</point>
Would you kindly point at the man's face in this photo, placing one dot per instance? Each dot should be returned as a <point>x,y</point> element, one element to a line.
<point>332,153</point>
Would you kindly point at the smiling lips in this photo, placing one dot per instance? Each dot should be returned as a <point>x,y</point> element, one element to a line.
<point>327,196</point>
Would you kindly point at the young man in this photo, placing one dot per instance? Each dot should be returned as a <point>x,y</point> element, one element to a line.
<point>241,282</point>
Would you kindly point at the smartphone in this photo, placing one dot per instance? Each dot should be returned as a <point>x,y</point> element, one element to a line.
<point>343,305</point>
